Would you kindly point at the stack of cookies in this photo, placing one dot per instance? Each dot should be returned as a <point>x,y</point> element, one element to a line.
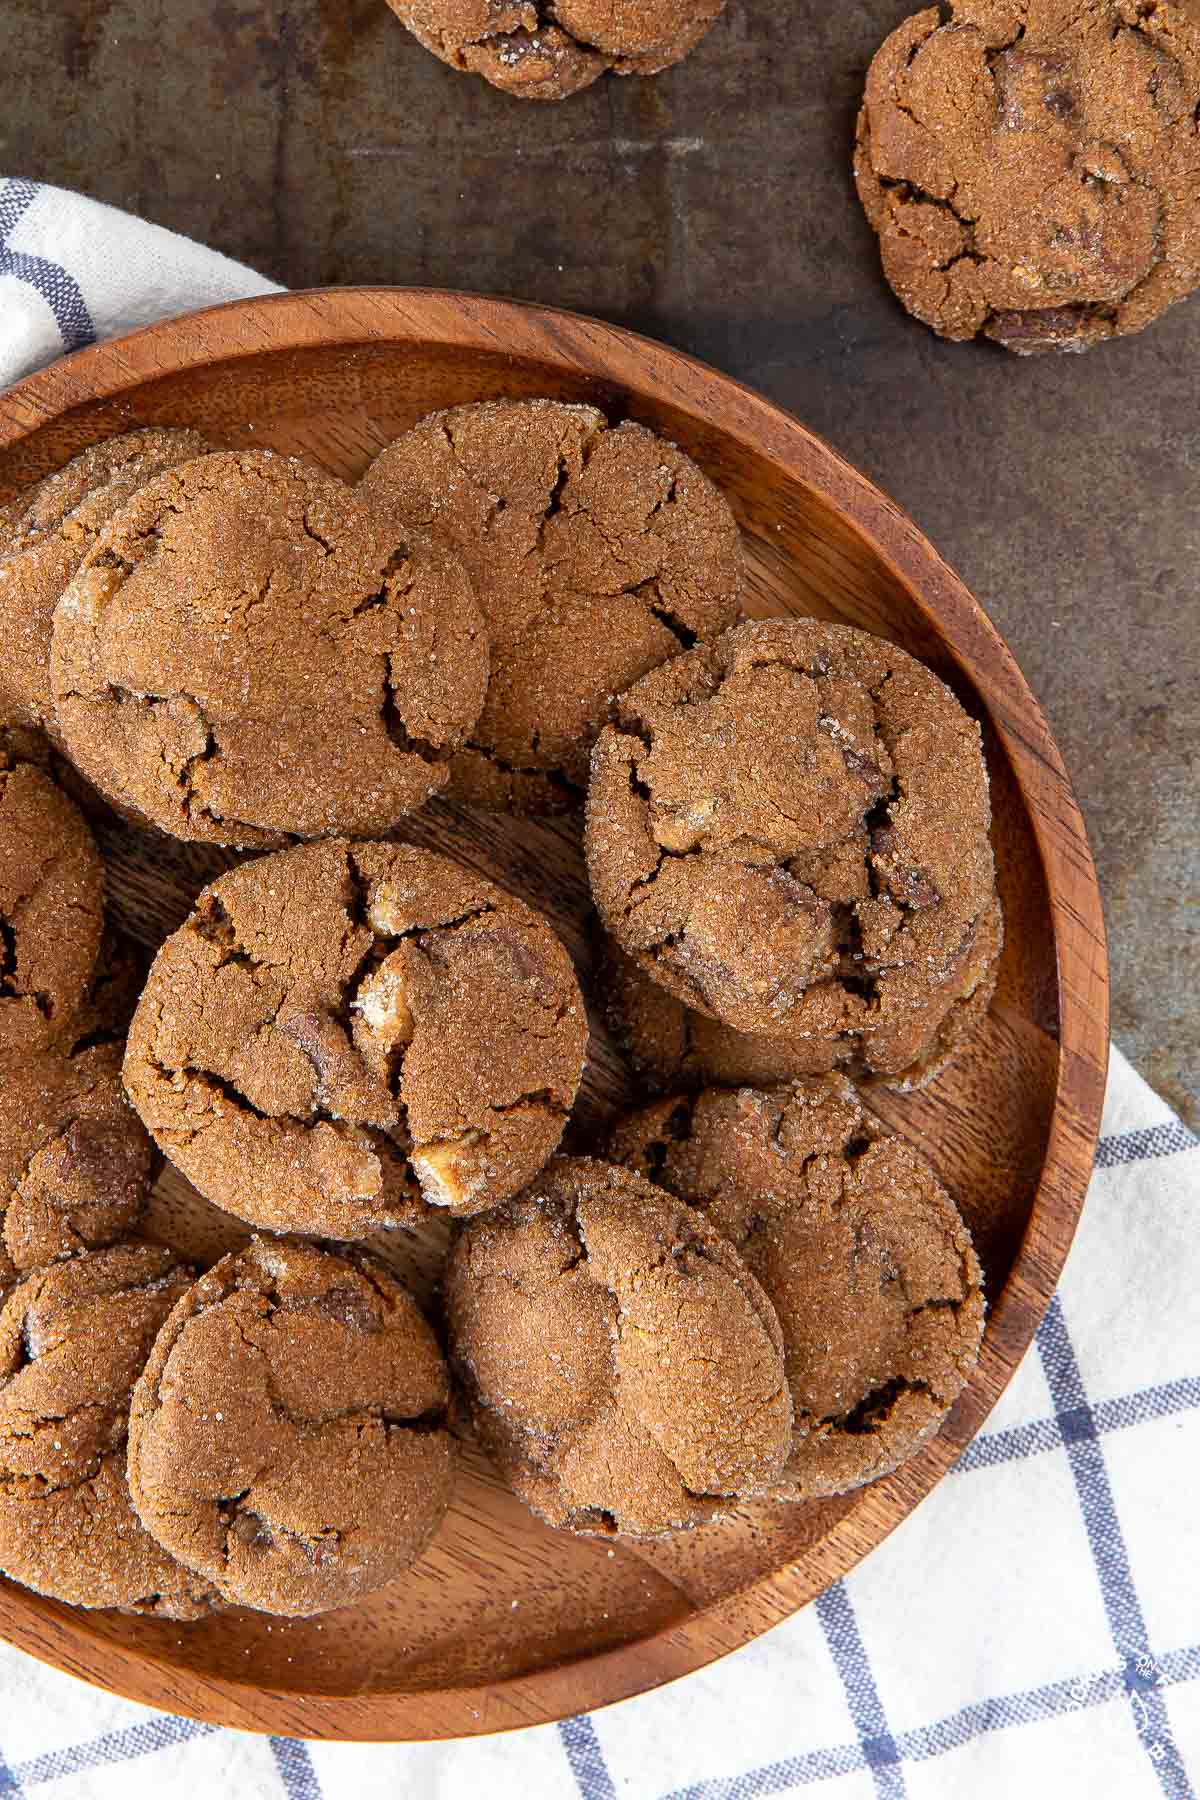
<point>745,1290</point>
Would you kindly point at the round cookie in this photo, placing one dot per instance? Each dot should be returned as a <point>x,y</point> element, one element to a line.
<point>51,908</point>
<point>595,555</point>
<point>623,1368</point>
<point>342,1035</point>
<point>252,648</point>
<point>857,1245</point>
<point>46,532</point>
<point>1033,171</point>
<point>788,829</point>
<point>672,1049</point>
<point>76,1165</point>
<point>538,52</point>
<point>73,1340</point>
<point>286,1440</point>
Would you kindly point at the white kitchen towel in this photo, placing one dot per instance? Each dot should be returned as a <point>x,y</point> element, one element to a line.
<point>1032,1630</point>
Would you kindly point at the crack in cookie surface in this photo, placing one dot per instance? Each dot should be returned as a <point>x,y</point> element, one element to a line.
<point>373,1027</point>
<point>623,1366</point>
<point>595,553</point>
<point>860,1249</point>
<point>287,1438</point>
<point>254,649</point>
<point>788,831</point>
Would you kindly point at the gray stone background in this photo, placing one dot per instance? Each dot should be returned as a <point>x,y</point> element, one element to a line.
<point>713,208</point>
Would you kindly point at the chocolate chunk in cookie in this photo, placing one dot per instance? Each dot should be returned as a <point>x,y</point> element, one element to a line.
<point>623,1367</point>
<point>253,648</point>
<point>342,1035</point>
<point>73,1340</point>
<point>51,908</point>
<point>76,1165</point>
<point>595,554</point>
<point>286,1440</point>
<point>788,829</point>
<point>1033,170</point>
<point>857,1245</point>
<point>548,52</point>
<point>46,532</point>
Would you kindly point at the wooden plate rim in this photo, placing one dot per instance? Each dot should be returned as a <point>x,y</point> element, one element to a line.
<point>368,317</point>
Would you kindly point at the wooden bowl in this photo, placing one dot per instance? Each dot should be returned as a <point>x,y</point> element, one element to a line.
<point>504,1622</point>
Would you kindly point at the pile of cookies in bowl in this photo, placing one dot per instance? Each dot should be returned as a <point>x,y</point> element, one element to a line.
<point>744,1289</point>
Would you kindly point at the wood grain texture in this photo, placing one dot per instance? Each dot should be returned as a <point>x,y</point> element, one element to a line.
<point>505,1623</point>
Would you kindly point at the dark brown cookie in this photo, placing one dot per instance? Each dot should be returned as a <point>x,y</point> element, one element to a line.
<point>76,1165</point>
<point>73,1340</point>
<point>286,1440</point>
<point>550,51</point>
<point>789,830</point>
<point>51,908</point>
<point>45,535</point>
<point>370,1028</point>
<point>622,1366</point>
<point>252,648</point>
<point>595,554</point>
<point>1033,170</point>
<point>673,1049</point>
<point>857,1245</point>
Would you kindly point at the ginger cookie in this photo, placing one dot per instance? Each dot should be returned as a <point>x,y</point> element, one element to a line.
<point>73,1340</point>
<point>858,1247</point>
<point>51,908</point>
<point>595,555</point>
<point>76,1165</point>
<point>1033,171</point>
<point>672,1049</point>
<point>788,829</point>
<point>287,1438</point>
<point>46,532</point>
<point>370,1028</point>
<point>623,1367</point>
<point>549,52</point>
<point>254,649</point>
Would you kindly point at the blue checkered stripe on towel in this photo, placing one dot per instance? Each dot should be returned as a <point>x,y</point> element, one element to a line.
<point>55,284</point>
<point>1132,1675</point>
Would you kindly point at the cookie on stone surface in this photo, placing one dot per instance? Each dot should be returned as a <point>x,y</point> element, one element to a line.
<point>46,532</point>
<point>51,908</point>
<point>73,1340</point>
<point>286,1440</point>
<point>342,1035</point>
<point>540,52</point>
<point>595,554</point>
<point>623,1367</point>
<point>859,1248</point>
<point>672,1049</point>
<point>1033,170</point>
<point>788,829</point>
<point>76,1165</point>
<point>252,649</point>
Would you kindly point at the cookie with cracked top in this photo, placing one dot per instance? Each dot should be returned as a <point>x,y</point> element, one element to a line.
<point>45,533</point>
<point>76,1164</point>
<point>788,829</point>
<point>252,648</point>
<point>861,1251</point>
<point>671,1048</point>
<point>548,52</point>
<point>370,1030</point>
<point>73,1341</point>
<point>1033,170</point>
<point>623,1366</point>
<point>51,908</point>
<point>595,553</point>
<point>286,1440</point>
